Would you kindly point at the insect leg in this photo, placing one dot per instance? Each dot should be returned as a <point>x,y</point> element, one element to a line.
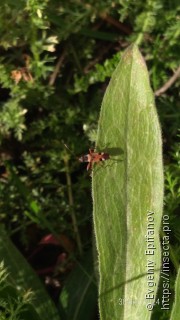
<point>89,166</point>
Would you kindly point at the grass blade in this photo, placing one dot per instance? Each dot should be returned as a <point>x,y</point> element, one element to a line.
<point>25,278</point>
<point>79,295</point>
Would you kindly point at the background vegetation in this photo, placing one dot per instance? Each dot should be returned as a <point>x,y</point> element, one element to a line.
<point>56,58</point>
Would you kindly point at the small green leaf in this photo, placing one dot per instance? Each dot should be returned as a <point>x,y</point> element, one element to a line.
<point>128,192</point>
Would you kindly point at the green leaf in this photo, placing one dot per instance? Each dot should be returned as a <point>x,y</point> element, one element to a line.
<point>79,294</point>
<point>25,278</point>
<point>128,192</point>
<point>176,306</point>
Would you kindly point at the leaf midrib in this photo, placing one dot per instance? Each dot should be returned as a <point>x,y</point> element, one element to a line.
<point>126,176</point>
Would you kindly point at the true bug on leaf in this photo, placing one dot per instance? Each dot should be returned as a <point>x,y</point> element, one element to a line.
<point>92,157</point>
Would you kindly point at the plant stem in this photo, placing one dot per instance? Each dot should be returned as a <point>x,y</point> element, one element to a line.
<point>169,83</point>
<point>57,68</point>
<point>71,203</point>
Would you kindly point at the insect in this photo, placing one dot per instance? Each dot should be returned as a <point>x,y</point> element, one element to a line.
<point>92,157</point>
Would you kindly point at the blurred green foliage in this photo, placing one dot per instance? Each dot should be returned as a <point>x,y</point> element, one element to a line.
<point>64,53</point>
<point>13,303</point>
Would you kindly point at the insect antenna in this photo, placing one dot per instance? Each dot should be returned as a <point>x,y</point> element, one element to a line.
<point>65,145</point>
